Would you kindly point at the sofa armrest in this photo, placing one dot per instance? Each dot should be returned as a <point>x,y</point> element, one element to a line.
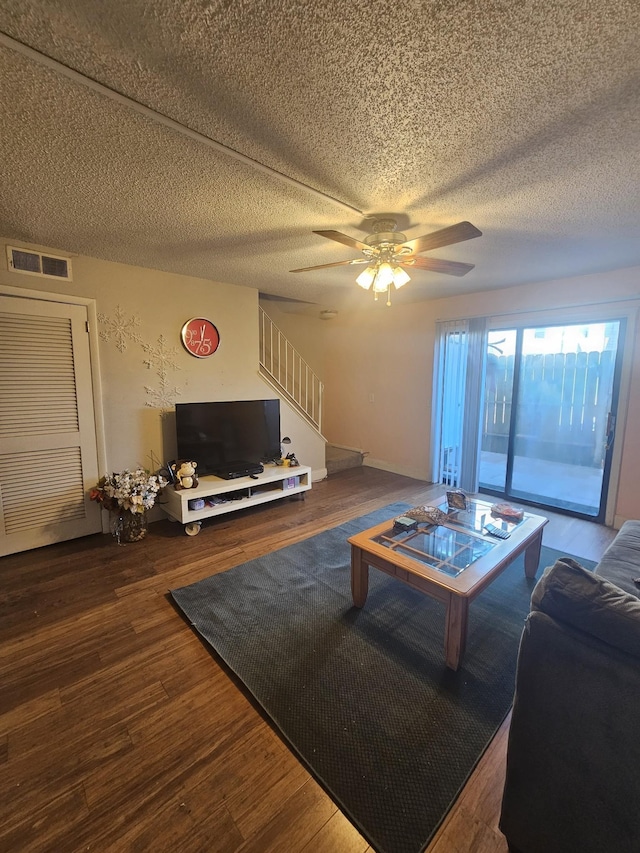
<point>572,595</point>
<point>620,563</point>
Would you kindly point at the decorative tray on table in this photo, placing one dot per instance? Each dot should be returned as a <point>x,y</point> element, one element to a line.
<point>427,514</point>
<point>508,512</point>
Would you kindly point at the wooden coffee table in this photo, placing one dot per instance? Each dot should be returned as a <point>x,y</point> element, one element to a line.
<point>451,562</point>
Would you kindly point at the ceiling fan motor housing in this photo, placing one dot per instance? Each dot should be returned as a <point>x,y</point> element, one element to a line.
<point>385,240</point>
<point>382,239</point>
<point>385,235</point>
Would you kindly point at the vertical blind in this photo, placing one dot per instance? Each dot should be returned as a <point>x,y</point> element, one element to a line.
<point>458,392</point>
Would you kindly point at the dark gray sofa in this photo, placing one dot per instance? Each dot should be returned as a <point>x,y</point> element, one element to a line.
<point>573,759</point>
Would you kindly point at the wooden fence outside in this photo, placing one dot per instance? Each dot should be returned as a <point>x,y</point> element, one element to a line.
<point>563,408</point>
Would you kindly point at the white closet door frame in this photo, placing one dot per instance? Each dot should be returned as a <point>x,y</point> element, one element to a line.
<point>92,423</point>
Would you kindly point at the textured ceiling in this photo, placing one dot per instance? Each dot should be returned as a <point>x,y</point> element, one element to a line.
<point>221,134</point>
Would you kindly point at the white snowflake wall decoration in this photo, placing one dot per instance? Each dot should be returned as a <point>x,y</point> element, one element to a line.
<point>121,328</point>
<point>162,359</point>
<point>162,397</point>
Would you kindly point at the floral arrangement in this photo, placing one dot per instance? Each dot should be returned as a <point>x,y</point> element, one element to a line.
<point>134,491</point>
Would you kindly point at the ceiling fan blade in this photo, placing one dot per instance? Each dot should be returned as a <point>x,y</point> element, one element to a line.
<point>437,265</point>
<point>339,237</point>
<point>335,264</point>
<point>444,237</point>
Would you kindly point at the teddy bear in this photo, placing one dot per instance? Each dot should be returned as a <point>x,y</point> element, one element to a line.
<point>184,475</point>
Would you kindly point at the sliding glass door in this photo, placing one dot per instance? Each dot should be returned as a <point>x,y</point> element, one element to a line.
<point>550,397</point>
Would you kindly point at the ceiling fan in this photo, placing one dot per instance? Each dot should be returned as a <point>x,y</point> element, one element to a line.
<point>387,252</point>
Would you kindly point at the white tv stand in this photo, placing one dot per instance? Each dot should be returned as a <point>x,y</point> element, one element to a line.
<point>223,496</point>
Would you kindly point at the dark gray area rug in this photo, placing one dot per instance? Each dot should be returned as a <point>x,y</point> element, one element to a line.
<point>363,696</point>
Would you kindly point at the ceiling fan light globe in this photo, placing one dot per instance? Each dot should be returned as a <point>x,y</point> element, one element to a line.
<point>400,277</point>
<point>384,277</point>
<point>366,277</point>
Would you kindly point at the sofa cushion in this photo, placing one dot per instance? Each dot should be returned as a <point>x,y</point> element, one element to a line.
<point>620,563</point>
<point>584,600</point>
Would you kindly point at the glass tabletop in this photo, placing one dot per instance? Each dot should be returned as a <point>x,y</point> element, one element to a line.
<point>443,548</point>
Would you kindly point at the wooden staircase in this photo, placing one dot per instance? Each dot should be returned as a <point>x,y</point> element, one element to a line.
<point>282,366</point>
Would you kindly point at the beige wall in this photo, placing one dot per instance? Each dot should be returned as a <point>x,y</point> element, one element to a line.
<point>150,371</point>
<point>377,367</point>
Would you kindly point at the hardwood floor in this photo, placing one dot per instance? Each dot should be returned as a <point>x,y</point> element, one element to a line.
<point>120,732</point>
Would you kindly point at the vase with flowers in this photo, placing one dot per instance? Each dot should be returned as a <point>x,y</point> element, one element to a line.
<point>128,496</point>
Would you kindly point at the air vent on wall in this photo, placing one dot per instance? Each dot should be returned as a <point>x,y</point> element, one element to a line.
<point>35,263</point>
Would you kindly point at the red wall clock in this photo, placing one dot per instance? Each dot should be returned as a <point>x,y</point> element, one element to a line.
<point>200,337</point>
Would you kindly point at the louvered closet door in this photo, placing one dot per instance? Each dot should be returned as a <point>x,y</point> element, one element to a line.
<point>48,458</point>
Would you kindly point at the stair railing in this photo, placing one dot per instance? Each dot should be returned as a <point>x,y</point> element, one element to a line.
<point>283,366</point>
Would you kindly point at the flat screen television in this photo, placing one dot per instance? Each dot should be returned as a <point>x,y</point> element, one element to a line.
<point>228,436</point>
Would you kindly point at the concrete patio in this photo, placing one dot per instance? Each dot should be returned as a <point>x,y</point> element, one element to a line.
<point>557,484</point>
